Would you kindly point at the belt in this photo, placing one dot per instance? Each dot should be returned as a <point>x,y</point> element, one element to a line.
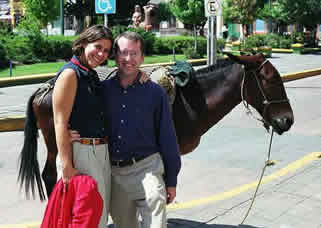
<point>93,141</point>
<point>129,162</point>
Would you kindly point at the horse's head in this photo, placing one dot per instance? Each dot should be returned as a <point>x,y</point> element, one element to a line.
<point>263,89</point>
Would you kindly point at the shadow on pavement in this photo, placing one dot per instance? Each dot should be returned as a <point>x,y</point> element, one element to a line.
<point>183,223</point>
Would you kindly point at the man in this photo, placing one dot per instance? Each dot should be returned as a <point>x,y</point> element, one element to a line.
<point>144,153</point>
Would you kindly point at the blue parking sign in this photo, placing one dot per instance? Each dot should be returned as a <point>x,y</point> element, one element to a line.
<point>105,6</point>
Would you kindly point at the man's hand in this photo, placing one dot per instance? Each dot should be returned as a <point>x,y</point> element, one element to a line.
<point>74,136</point>
<point>171,194</point>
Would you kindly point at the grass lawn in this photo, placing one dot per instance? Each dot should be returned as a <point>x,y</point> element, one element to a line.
<point>41,68</point>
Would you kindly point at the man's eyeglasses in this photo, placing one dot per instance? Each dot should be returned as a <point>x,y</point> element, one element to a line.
<point>126,53</point>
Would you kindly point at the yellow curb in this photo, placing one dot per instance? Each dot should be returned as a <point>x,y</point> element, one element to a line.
<point>12,123</point>
<point>25,80</point>
<point>300,75</point>
<point>244,188</point>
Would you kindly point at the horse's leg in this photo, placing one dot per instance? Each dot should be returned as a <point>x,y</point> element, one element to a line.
<point>49,173</point>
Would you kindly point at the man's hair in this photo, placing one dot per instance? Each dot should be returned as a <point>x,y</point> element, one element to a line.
<point>91,34</point>
<point>133,36</point>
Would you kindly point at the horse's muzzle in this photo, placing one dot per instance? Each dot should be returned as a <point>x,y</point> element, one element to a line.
<point>281,125</point>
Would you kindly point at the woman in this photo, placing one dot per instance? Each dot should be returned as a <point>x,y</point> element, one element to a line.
<point>77,105</point>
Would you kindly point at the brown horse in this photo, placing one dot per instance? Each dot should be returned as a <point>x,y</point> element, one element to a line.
<point>198,106</point>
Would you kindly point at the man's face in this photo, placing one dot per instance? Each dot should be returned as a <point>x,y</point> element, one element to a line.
<point>129,57</point>
<point>137,18</point>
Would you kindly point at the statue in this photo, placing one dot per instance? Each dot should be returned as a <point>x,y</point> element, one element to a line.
<point>150,20</point>
<point>137,17</point>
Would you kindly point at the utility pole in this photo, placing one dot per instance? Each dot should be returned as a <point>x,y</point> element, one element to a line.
<point>62,22</point>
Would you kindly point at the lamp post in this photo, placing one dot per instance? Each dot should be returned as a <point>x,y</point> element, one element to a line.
<point>62,24</point>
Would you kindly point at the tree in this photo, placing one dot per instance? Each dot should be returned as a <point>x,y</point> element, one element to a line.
<point>79,9</point>
<point>164,11</point>
<point>190,12</point>
<point>306,13</point>
<point>276,12</point>
<point>243,12</point>
<point>44,11</point>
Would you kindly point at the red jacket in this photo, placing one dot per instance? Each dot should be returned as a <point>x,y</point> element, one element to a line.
<point>79,204</point>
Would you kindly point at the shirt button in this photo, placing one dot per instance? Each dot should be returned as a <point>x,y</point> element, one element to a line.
<point>117,151</point>
<point>125,91</point>
<point>124,106</point>
<point>119,136</point>
<point>122,121</point>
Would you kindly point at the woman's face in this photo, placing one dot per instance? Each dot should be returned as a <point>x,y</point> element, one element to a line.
<point>97,52</point>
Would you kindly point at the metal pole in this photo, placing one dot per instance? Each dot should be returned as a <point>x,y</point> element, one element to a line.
<point>106,20</point>
<point>214,40</point>
<point>62,23</point>
<point>209,22</point>
<point>10,67</point>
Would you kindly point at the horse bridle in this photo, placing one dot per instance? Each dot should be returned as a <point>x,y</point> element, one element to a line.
<point>266,101</point>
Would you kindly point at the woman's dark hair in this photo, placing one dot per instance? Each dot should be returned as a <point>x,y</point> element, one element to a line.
<point>91,34</point>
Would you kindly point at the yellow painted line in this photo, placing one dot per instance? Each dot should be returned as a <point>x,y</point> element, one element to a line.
<point>225,195</point>
<point>222,196</point>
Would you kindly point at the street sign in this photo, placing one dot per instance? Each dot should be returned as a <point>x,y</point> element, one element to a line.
<point>105,6</point>
<point>211,7</point>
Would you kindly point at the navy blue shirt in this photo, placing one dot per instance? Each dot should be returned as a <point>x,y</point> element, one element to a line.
<point>87,116</point>
<point>139,123</point>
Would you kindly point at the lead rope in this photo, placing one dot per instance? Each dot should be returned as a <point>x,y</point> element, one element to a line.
<point>267,163</point>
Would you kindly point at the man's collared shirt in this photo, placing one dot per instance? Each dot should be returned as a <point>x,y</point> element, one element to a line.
<point>139,123</point>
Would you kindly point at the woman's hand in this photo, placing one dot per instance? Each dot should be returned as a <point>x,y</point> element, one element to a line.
<point>144,78</point>
<point>67,173</point>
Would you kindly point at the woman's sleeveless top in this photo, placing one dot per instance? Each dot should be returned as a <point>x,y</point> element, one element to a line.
<point>87,116</point>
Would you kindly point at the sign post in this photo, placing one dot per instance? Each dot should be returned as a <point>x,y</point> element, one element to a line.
<point>211,10</point>
<point>105,7</point>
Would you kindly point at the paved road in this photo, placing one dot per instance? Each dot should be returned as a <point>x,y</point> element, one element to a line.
<point>218,179</point>
<point>14,99</point>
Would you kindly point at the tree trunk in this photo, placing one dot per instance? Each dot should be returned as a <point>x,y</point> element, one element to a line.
<point>78,24</point>
<point>195,38</point>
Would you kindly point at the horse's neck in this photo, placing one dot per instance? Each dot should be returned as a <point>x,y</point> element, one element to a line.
<point>222,94</point>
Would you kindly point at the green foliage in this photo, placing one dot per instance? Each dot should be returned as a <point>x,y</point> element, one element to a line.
<point>164,45</point>
<point>164,12</point>
<point>270,40</point>
<point>307,13</point>
<point>189,11</point>
<point>43,10</point>
<point>241,11</point>
<point>5,28</point>
<point>4,58</point>
<point>190,53</point>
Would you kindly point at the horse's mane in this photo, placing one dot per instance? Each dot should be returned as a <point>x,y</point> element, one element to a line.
<point>214,69</point>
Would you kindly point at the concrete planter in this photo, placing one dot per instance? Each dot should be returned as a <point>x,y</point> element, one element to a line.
<point>297,48</point>
<point>267,51</point>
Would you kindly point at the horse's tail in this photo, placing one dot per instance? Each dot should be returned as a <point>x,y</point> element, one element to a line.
<point>29,172</point>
